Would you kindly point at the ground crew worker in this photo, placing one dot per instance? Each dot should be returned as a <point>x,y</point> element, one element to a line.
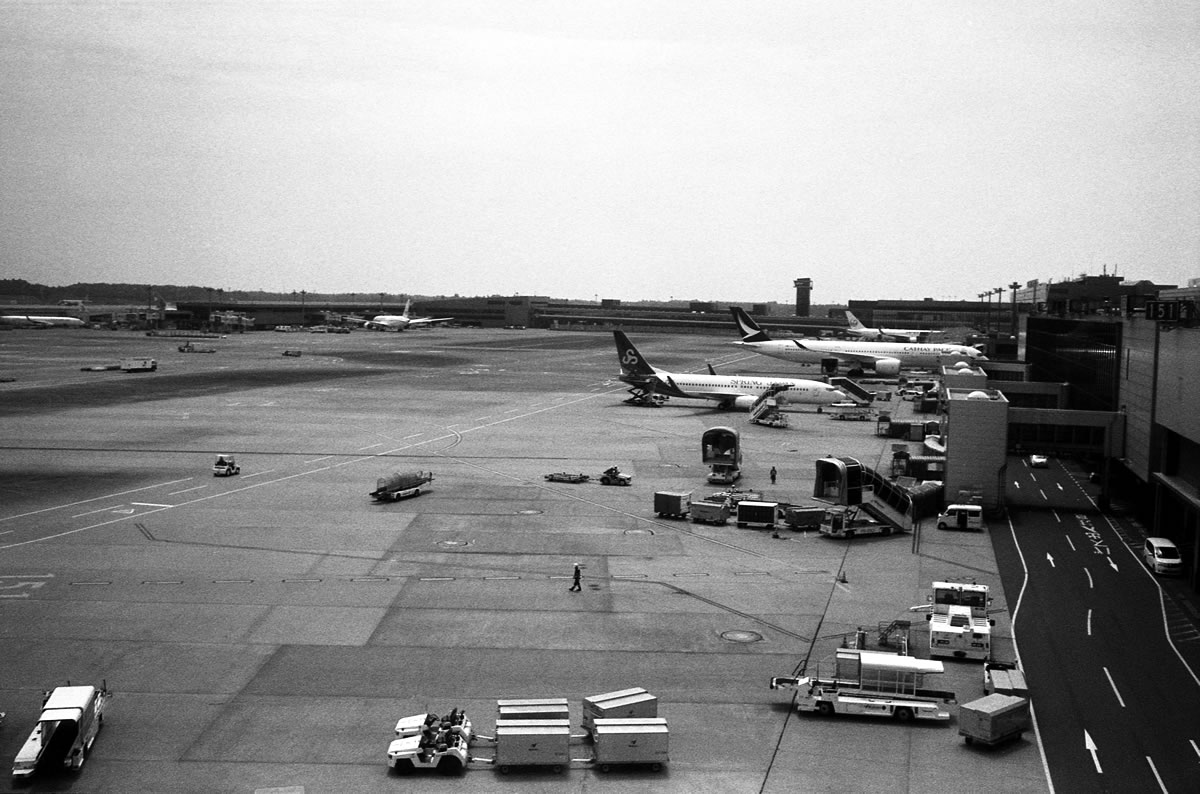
<point>575,586</point>
<point>773,475</point>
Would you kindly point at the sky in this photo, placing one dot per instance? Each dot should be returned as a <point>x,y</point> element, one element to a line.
<point>641,150</point>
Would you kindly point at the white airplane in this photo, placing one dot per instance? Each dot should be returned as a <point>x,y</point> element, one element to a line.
<point>652,385</point>
<point>41,321</point>
<point>396,322</point>
<point>886,358</point>
<point>907,334</point>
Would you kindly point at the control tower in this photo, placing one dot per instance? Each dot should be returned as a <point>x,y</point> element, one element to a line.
<point>803,289</point>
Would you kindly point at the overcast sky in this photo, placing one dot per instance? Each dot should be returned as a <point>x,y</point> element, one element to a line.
<point>575,149</point>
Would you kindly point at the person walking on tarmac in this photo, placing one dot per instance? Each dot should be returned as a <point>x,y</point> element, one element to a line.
<point>575,586</point>
<point>773,475</point>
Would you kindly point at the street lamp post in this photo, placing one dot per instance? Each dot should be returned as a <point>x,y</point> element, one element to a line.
<point>1015,327</point>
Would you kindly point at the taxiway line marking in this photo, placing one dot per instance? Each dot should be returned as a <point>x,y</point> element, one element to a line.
<point>185,490</point>
<point>94,499</point>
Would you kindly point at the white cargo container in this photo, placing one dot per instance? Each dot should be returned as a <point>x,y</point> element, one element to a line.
<point>533,709</point>
<point>628,705</point>
<point>631,741</point>
<point>993,719</point>
<point>532,745</point>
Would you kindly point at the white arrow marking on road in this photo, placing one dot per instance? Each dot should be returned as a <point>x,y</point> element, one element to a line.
<point>1051,559</point>
<point>1113,563</point>
<point>1091,748</point>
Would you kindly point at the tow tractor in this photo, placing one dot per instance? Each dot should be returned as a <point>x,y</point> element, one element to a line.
<point>429,742</point>
<point>613,476</point>
<point>226,466</point>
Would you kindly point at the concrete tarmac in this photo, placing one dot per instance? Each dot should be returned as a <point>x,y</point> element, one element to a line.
<point>263,632</point>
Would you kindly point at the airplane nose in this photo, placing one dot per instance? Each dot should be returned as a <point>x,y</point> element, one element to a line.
<point>838,396</point>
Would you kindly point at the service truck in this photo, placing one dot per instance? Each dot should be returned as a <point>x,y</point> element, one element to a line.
<point>958,621</point>
<point>66,730</point>
<point>849,410</point>
<point>876,683</point>
<point>401,485</point>
<point>841,521</point>
<point>138,365</point>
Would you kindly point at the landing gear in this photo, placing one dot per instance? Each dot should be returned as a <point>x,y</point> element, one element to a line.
<point>644,398</point>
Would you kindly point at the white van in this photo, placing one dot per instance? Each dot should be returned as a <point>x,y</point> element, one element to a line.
<point>961,517</point>
<point>1162,556</point>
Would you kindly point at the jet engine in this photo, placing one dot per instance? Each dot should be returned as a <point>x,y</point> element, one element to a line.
<point>745,403</point>
<point>887,367</point>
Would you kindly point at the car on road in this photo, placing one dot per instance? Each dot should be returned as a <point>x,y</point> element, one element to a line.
<point>1162,556</point>
<point>1039,462</point>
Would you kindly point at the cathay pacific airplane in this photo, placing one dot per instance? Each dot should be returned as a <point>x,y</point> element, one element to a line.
<point>886,358</point>
<point>41,321</point>
<point>856,327</point>
<point>652,385</point>
<point>393,322</point>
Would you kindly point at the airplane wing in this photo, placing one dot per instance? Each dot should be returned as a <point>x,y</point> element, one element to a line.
<point>842,356</point>
<point>418,322</point>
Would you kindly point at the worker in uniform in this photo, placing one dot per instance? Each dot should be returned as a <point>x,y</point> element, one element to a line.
<point>773,475</point>
<point>575,586</point>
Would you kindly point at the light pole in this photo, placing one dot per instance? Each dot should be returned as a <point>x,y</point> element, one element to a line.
<point>1014,287</point>
<point>981,296</point>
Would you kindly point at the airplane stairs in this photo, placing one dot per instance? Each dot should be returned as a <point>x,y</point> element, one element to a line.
<point>852,390</point>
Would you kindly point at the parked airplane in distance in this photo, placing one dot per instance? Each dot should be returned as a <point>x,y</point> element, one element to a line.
<point>41,321</point>
<point>906,334</point>
<point>393,322</point>
<point>652,385</point>
<point>886,358</point>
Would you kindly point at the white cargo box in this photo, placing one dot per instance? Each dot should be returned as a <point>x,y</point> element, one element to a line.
<point>638,705</point>
<point>637,743</point>
<point>533,724</point>
<point>620,693</point>
<point>993,718</point>
<point>548,711</point>
<point>533,745</point>
<point>1005,682</point>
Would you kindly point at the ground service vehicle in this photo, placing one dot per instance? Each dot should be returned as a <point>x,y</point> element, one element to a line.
<point>1039,462</point>
<point>66,730</point>
<point>427,742</point>
<point>758,514</point>
<point>400,485</point>
<point>875,683</point>
<point>961,517</point>
<point>1162,556</point>
<point>138,365</point>
<point>226,466</point>
<point>958,621</point>
<point>613,476</point>
<point>849,410</point>
<point>672,504</point>
<point>802,516</point>
<point>531,745</point>
<point>704,512</point>
<point>841,521</point>
<point>189,347</point>
<point>993,719</point>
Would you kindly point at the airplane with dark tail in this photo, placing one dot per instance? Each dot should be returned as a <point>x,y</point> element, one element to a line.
<point>652,386</point>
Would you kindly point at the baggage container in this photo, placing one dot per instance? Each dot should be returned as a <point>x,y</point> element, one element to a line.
<point>533,745</point>
<point>672,504</point>
<point>993,719</point>
<point>535,709</point>
<point>710,513</point>
<point>758,514</point>
<point>1004,679</point>
<point>639,704</point>
<point>631,742</point>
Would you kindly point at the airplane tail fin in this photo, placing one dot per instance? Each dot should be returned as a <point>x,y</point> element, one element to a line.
<point>853,321</point>
<point>631,360</point>
<point>407,304</point>
<point>750,329</point>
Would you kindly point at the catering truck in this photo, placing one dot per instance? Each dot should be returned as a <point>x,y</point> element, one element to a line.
<point>958,622</point>
<point>71,718</point>
<point>400,485</point>
<point>876,683</point>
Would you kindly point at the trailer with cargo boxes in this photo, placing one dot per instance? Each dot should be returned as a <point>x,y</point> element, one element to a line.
<point>623,704</point>
<point>401,485</point>
<point>1004,678</point>
<point>873,683</point>
<point>533,709</point>
<point>708,512</point>
<point>531,743</point>
<point>636,741</point>
<point>993,719</point>
<point>757,514</point>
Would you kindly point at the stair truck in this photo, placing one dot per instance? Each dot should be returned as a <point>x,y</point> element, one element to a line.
<point>427,742</point>
<point>958,621</point>
<point>875,683</point>
<point>672,504</point>
<point>66,730</point>
<point>401,485</point>
<point>993,719</point>
<point>841,521</point>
